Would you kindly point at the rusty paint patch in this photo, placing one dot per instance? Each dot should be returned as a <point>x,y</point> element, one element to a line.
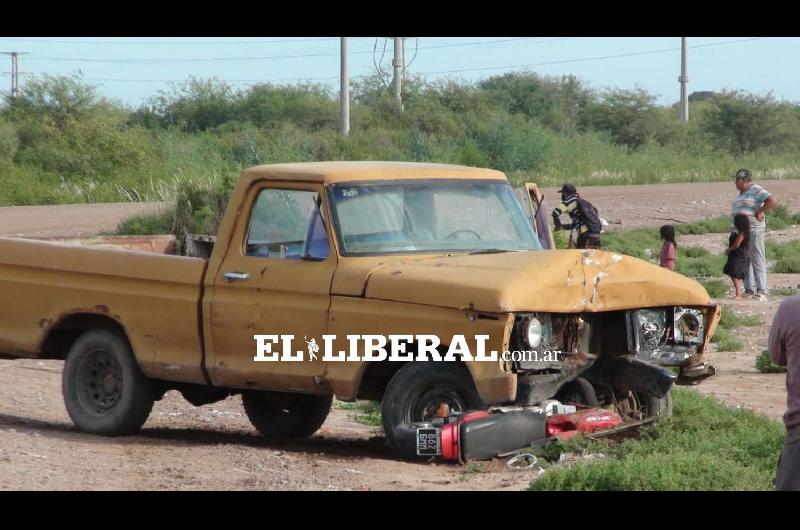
<point>157,244</point>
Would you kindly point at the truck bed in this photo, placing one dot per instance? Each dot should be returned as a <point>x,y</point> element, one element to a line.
<point>49,289</point>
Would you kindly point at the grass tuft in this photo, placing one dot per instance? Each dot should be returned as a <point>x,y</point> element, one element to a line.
<point>765,365</point>
<point>704,446</point>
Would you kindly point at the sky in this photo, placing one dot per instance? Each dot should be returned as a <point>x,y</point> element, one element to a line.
<point>131,69</point>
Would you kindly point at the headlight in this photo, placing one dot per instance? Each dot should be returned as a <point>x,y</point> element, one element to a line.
<point>651,326</point>
<point>689,325</point>
<point>551,332</point>
<point>533,335</point>
<point>665,336</point>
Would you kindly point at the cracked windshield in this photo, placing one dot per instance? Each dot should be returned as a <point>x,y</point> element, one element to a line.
<point>430,216</point>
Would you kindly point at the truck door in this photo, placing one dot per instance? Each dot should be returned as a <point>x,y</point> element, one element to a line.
<point>533,206</point>
<point>274,279</point>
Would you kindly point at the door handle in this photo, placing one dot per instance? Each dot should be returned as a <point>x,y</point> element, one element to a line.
<point>232,276</point>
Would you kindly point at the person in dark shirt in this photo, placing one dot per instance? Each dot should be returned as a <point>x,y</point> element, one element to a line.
<point>784,350</point>
<point>569,205</point>
<point>738,253</point>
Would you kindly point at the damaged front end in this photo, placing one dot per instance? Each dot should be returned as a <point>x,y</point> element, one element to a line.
<point>620,353</point>
<point>674,336</point>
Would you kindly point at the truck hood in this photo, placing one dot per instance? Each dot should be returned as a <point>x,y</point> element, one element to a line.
<point>557,281</point>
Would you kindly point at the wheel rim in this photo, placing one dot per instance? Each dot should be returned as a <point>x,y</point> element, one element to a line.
<point>633,406</point>
<point>426,407</point>
<point>100,382</point>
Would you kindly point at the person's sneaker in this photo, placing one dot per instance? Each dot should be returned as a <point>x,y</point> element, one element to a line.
<point>760,296</point>
<point>748,294</point>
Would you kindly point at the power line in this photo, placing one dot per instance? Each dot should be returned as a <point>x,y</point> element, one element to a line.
<point>162,43</point>
<point>115,80</point>
<point>271,57</point>
<point>475,43</point>
<point>327,78</point>
<point>584,59</point>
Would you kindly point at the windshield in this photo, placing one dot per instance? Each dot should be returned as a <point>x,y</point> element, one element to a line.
<point>410,216</point>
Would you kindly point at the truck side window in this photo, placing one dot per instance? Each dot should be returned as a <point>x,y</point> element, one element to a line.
<point>287,224</point>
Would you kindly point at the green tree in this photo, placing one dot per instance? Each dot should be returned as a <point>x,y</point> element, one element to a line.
<point>743,122</point>
<point>195,105</point>
<point>311,107</point>
<point>629,117</point>
<point>556,102</point>
<point>57,98</point>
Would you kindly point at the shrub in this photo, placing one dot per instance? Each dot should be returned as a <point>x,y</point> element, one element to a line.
<point>726,341</point>
<point>783,291</point>
<point>9,143</point>
<point>715,288</point>
<point>693,252</point>
<point>729,320</point>
<point>148,224</point>
<point>717,225</point>
<point>742,122</point>
<point>765,365</point>
<point>786,256</point>
<point>195,105</point>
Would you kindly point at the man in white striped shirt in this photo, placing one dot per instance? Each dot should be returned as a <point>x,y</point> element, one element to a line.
<point>753,201</point>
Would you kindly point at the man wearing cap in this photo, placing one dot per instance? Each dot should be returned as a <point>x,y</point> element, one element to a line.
<point>569,204</point>
<point>753,201</point>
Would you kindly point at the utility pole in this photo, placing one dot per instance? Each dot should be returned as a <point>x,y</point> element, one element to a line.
<point>344,90</point>
<point>14,71</point>
<point>684,80</point>
<point>399,66</point>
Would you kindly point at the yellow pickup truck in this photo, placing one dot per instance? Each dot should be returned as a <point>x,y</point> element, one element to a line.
<point>314,260</point>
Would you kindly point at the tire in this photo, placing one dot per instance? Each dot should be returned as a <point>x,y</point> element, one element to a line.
<point>104,390</point>
<point>659,407</point>
<point>286,414</point>
<point>413,395</point>
<point>580,391</point>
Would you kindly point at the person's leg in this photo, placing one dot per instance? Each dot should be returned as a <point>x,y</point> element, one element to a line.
<point>737,286</point>
<point>759,260</point>
<point>749,287</point>
<point>581,241</point>
<point>787,475</point>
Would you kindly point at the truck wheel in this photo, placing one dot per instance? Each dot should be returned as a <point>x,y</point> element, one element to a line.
<point>579,390</point>
<point>415,393</point>
<point>104,390</point>
<point>286,414</point>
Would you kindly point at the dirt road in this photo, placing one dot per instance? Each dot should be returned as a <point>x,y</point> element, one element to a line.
<point>210,447</point>
<point>69,220</point>
<point>635,206</point>
<point>657,204</point>
<point>214,446</point>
